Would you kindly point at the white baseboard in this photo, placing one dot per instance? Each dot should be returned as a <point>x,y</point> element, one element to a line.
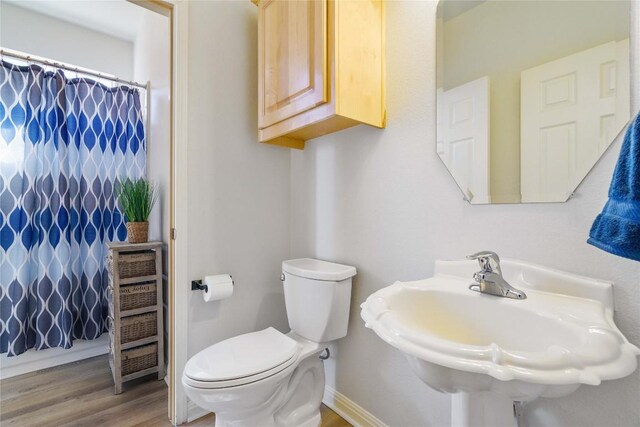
<point>353,413</point>
<point>32,360</point>
<point>194,411</point>
<point>349,410</point>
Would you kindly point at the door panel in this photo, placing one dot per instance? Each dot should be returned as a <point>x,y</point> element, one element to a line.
<point>292,58</point>
<point>463,137</point>
<point>571,110</point>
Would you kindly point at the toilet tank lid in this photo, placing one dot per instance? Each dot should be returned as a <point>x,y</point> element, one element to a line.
<point>316,269</point>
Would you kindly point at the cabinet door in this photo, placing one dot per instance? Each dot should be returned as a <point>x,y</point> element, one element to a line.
<point>292,58</point>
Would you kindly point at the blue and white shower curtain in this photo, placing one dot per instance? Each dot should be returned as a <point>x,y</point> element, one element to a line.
<point>64,145</point>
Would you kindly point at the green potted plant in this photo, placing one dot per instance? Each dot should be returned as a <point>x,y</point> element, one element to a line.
<point>136,200</point>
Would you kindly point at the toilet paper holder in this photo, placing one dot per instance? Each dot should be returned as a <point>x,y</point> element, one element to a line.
<point>196,285</point>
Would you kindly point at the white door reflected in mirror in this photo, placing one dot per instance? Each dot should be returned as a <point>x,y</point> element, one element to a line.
<point>463,136</point>
<point>585,96</point>
<point>530,94</point>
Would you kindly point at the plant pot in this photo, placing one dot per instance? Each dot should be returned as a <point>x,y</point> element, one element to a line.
<point>137,232</point>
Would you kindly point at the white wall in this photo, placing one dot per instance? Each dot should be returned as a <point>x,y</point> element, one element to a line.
<point>152,62</point>
<point>238,197</point>
<point>382,200</point>
<point>31,32</point>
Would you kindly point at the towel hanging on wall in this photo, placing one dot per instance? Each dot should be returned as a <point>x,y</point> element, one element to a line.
<point>617,229</point>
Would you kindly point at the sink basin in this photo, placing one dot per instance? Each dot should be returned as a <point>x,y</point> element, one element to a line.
<point>460,341</point>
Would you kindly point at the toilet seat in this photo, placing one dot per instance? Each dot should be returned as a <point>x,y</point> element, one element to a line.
<point>242,360</point>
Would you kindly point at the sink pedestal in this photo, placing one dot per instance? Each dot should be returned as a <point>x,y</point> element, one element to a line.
<point>482,409</point>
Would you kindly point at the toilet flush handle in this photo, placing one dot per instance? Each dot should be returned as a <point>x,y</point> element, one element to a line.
<point>282,277</point>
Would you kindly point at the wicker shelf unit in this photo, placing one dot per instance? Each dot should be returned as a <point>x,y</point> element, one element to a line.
<point>135,311</point>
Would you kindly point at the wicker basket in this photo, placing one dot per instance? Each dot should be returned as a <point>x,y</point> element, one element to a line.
<point>134,264</point>
<point>137,232</point>
<point>135,328</point>
<point>139,358</point>
<point>138,296</point>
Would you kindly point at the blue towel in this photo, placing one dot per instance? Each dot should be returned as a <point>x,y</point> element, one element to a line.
<point>617,228</point>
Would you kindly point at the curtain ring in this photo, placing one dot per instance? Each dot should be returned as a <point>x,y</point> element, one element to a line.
<point>30,65</point>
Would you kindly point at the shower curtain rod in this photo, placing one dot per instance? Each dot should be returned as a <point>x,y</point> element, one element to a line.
<point>29,58</point>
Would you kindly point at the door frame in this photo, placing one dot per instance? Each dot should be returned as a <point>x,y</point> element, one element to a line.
<point>178,13</point>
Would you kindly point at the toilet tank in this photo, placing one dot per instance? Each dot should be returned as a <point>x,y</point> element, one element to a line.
<point>318,297</point>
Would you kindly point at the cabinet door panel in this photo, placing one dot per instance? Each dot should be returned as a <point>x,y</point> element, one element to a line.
<point>292,58</point>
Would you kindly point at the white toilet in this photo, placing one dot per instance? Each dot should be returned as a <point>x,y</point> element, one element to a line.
<point>267,378</point>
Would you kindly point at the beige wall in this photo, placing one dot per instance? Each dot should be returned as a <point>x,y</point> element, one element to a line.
<point>382,201</point>
<point>475,45</point>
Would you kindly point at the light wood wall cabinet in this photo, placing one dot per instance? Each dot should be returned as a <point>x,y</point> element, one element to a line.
<point>320,68</point>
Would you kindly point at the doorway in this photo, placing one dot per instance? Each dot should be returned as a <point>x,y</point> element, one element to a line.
<point>164,124</point>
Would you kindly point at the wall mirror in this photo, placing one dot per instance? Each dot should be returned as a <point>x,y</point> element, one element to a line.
<point>529,94</point>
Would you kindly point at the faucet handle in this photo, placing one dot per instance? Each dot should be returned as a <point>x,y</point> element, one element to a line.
<point>489,261</point>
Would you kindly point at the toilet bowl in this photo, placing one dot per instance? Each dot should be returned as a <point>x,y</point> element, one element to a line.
<point>271,379</point>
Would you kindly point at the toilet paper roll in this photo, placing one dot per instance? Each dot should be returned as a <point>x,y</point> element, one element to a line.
<point>218,287</point>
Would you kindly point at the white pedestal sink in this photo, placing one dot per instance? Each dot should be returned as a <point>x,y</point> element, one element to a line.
<point>493,351</point>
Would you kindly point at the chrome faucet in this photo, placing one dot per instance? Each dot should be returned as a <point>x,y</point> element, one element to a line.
<point>489,279</point>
